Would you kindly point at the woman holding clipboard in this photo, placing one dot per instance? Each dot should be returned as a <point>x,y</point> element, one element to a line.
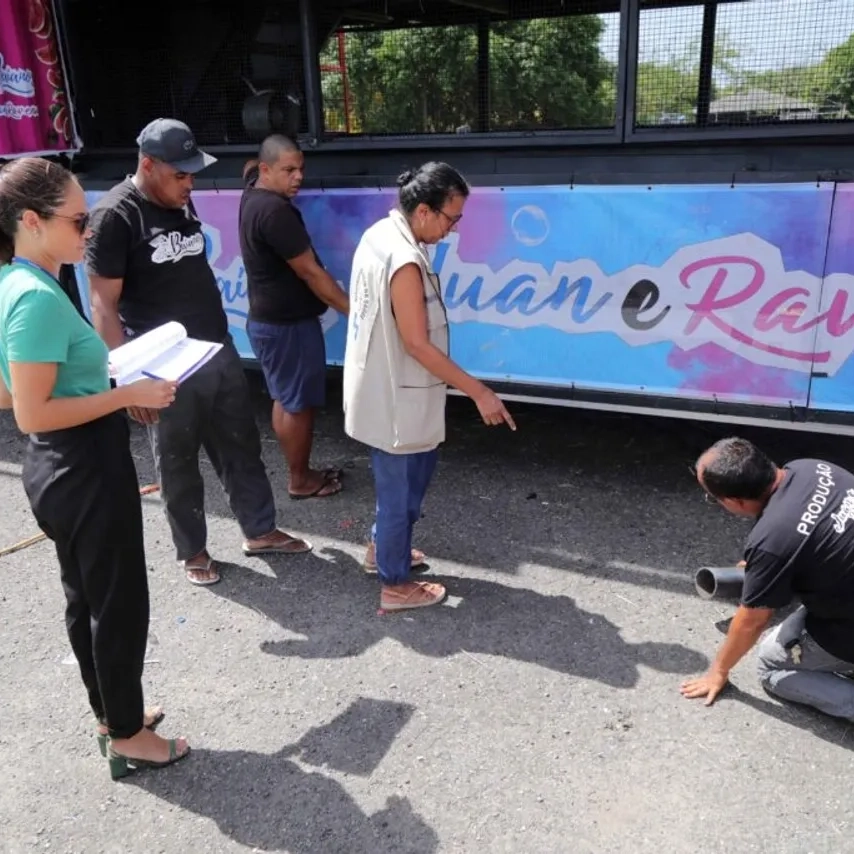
<point>79,475</point>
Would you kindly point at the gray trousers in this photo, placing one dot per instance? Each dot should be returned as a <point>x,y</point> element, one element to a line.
<point>212,410</point>
<point>804,672</point>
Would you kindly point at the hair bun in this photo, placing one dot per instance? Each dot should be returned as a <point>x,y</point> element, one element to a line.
<point>405,178</point>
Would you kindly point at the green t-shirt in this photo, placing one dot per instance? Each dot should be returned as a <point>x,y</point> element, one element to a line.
<point>39,323</point>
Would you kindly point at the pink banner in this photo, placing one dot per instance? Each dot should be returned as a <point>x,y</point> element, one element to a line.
<point>34,112</point>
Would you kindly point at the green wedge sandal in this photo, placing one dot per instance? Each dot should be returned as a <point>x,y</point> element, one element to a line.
<point>120,766</point>
<point>156,718</point>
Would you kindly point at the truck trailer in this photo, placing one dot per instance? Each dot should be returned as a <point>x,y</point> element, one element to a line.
<point>662,215</point>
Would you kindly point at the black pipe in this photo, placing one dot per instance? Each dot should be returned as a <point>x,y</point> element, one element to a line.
<point>719,582</point>
<point>483,93</point>
<point>707,61</point>
<point>311,70</point>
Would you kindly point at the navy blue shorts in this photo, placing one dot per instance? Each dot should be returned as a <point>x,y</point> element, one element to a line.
<point>293,360</point>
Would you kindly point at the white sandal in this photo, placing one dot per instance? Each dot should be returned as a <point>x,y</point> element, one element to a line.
<point>188,567</point>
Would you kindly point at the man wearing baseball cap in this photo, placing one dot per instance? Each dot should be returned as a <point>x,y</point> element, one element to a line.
<point>147,265</point>
<point>173,143</point>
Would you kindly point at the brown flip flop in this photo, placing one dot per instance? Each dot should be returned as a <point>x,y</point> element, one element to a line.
<point>285,547</point>
<point>319,492</point>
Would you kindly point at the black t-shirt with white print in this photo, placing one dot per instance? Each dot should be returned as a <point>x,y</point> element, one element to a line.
<point>802,547</point>
<point>159,254</point>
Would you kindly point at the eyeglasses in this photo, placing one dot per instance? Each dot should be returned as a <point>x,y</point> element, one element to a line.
<point>451,219</point>
<point>707,497</point>
<point>81,221</point>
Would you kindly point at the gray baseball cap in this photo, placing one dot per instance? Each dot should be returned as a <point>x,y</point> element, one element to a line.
<point>172,142</point>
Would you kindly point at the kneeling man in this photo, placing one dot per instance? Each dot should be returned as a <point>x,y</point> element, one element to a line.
<point>800,547</point>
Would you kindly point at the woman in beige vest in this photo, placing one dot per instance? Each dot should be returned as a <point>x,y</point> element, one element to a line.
<point>396,371</point>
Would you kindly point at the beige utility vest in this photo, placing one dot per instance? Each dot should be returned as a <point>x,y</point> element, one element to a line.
<point>391,401</point>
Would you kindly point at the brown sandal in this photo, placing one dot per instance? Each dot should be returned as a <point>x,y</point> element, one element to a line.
<point>326,489</point>
<point>286,544</point>
<point>413,594</point>
<point>370,562</point>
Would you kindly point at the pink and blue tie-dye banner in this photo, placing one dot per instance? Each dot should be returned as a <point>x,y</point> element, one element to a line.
<point>34,112</point>
<point>730,294</point>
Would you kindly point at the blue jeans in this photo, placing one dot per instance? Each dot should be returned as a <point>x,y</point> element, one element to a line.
<point>401,482</point>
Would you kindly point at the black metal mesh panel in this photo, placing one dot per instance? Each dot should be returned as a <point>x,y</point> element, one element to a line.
<point>668,66</point>
<point>801,70</point>
<point>486,72</point>
<point>745,63</point>
<point>232,72</point>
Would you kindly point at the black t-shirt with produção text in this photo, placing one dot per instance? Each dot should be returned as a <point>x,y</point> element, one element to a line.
<point>802,547</point>
<point>272,232</point>
<point>159,254</point>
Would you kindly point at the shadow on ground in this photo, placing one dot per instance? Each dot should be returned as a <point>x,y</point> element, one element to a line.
<point>337,621</point>
<point>268,802</point>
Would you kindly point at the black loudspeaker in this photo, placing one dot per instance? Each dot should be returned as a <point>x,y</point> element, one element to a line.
<point>268,111</point>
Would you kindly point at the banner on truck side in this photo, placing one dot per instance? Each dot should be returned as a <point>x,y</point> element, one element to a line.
<point>738,294</point>
<point>35,114</point>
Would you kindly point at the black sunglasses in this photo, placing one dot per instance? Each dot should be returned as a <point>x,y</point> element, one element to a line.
<point>451,219</point>
<point>81,221</point>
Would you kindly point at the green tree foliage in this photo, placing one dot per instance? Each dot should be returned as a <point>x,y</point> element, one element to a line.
<point>666,94</point>
<point>839,71</point>
<point>544,73</point>
<point>549,73</point>
<point>829,84</point>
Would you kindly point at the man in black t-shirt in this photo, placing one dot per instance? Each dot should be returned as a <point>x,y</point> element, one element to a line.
<point>801,546</point>
<point>147,265</point>
<point>288,292</point>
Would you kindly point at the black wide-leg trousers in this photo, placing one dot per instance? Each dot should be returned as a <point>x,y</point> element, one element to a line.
<point>83,489</point>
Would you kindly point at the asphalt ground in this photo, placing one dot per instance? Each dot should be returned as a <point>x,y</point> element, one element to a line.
<point>537,711</point>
